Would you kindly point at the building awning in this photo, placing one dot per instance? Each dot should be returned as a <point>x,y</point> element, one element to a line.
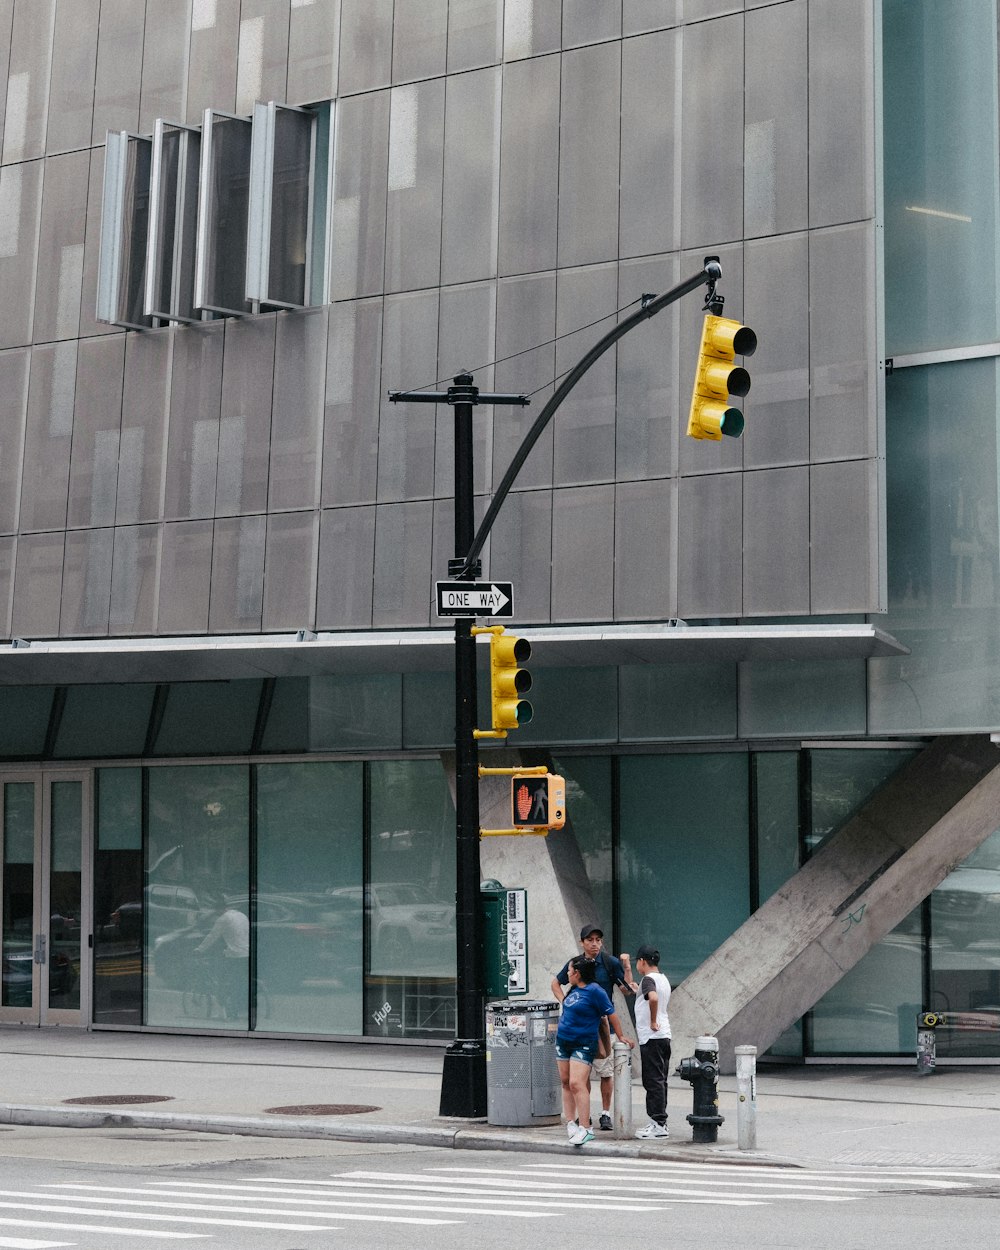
<point>98,661</point>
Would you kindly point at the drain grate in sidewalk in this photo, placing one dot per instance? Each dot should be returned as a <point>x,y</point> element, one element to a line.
<point>898,1159</point>
<point>117,1100</point>
<point>322,1108</point>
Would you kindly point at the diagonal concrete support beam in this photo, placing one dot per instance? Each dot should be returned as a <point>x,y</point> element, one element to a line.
<point>854,890</point>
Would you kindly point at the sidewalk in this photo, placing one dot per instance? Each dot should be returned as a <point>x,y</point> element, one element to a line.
<point>806,1116</point>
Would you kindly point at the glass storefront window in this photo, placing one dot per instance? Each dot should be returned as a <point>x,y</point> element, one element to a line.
<point>197,897</point>
<point>684,872</point>
<point>589,801</point>
<point>307,913</point>
<point>409,902</point>
<point>118,896</point>
<point>965,947</point>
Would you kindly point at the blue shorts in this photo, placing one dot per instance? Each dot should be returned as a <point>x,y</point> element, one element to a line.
<point>582,1052</point>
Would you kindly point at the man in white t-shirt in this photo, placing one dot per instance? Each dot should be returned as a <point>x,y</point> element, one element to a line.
<point>652,993</point>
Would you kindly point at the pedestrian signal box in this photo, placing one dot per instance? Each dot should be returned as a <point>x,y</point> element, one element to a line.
<point>537,801</point>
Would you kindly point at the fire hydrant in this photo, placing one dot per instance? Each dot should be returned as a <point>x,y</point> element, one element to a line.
<point>703,1073</point>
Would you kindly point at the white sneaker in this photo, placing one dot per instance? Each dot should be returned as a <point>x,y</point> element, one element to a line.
<point>571,1127</point>
<point>581,1136</point>
<point>653,1129</point>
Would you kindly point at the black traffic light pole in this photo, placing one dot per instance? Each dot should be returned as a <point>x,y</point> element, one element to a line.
<point>463,1083</point>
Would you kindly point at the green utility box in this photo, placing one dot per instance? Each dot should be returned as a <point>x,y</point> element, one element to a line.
<point>505,940</point>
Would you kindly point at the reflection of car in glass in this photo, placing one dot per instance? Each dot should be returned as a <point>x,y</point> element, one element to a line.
<point>409,928</point>
<point>295,933</point>
<point>965,908</point>
<point>18,965</point>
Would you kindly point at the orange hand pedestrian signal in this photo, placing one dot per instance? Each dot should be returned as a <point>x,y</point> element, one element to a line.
<point>538,801</point>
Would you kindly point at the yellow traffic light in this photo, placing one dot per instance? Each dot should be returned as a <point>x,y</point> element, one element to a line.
<point>718,377</point>
<point>508,681</point>
<point>537,802</point>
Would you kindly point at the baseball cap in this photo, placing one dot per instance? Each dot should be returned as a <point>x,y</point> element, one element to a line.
<point>649,953</point>
<point>588,929</point>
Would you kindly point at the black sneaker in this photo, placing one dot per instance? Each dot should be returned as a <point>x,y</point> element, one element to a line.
<point>605,1122</point>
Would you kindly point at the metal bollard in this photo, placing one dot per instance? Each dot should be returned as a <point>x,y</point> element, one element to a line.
<point>622,1105</point>
<point>703,1073</point>
<point>927,1023</point>
<point>746,1097</point>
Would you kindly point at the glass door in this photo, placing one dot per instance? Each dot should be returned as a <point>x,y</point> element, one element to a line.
<point>44,897</point>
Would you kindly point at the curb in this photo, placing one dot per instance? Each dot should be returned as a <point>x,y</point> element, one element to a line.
<point>457,1138</point>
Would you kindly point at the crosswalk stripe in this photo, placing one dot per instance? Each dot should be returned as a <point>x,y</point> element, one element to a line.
<point>859,1178</point>
<point>489,1183</point>
<point>720,1177</point>
<point>404,1202</point>
<point>186,1219</point>
<point>30,1243</point>
<point>202,1206</point>
<point>382,1190</point>
<point>97,1228</point>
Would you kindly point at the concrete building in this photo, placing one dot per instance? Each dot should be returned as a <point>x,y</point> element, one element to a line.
<point>227,229</point>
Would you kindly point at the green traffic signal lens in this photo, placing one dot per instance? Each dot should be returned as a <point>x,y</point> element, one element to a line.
<point>732,423</point>
<point>524,712</point>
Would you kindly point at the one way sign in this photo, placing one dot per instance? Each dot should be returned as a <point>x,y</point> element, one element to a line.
<point>475,599</point>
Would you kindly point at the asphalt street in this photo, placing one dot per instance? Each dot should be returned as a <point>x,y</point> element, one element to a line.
<point>97,1189</point>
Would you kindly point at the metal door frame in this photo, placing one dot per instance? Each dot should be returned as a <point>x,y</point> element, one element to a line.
<point>40,1014</point>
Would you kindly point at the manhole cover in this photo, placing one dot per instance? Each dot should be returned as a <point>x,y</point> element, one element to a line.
<point>322,1108</point>
<point>118,1100</point>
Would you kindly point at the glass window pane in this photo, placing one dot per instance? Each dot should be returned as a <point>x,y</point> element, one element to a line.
<point>124,226</point>
<point>684,820</point>
<point>410,901</point>
<point>776,815</point>
<point>24,719</point>
<point>942,536</point>
<point>841,782</point>
<point>872,1009</point>
<point>173,222</point>
<point>118,896</point>
<point>279,227</point>
<point>220,267</point>
<point>103,721</point>
<point>65,894</point>
<point>208,718</point>
<point>307,917</point>
<point>197,896</point>
<point>589,804</point>
<point>965,948</point>
<point>18,923</point>
<point>940,195</point>
<point>355,713</point>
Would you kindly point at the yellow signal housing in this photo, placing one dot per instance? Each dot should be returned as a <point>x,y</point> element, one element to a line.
<point>508,681</point>
<point>718,376</point>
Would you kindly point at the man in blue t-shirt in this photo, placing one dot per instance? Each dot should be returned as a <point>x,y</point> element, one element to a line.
<point>610,972</point>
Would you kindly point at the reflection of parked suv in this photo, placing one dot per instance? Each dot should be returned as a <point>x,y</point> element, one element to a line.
<point>410,930</point>
<point>966,905</point>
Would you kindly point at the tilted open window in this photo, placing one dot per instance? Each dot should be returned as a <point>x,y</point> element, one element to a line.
<point>221,220</point>
<point>124,228</point>
<point>173,218</point>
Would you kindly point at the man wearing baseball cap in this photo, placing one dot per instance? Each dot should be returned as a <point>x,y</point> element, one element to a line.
<point>609,973</point>
<point>652,993</point>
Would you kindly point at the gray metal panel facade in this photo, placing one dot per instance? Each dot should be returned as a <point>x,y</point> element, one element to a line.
<point>504,173</point>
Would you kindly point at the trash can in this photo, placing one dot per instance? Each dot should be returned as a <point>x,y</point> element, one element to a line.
<point>522,1079</point>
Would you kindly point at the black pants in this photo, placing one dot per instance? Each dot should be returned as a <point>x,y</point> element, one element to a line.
<point>655,1067</point>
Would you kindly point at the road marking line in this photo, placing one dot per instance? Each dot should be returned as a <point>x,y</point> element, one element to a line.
<point>98,1228</point>
<point>26,1243</point>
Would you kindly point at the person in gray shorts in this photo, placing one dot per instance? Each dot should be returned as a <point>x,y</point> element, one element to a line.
<point>610,972</point>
